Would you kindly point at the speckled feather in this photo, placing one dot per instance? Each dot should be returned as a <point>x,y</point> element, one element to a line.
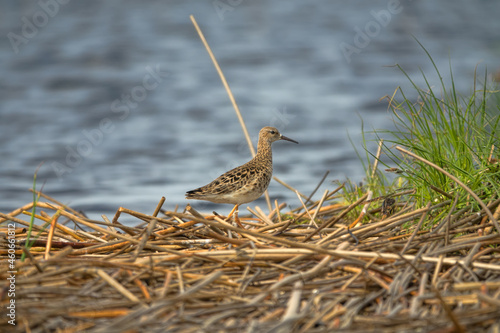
<point>247,182</point>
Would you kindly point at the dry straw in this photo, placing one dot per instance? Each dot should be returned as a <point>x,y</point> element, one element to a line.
<point>188,272</point>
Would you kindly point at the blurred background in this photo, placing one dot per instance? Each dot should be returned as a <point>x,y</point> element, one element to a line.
<point>121,102</point>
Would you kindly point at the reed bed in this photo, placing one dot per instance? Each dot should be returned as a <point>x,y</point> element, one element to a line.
<point>396,270</point>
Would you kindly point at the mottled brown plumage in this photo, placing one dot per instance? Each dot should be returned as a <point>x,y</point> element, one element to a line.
<point>247,182</point>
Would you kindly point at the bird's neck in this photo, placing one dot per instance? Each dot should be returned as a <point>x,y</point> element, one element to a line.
<point>264,151</point>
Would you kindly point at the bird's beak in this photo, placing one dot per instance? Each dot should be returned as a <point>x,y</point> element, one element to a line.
<point>282,137</point>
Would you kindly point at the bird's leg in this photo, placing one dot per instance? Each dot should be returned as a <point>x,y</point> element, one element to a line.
<point>237,220</point>
<point>235,213</point>
<point>232,212</point>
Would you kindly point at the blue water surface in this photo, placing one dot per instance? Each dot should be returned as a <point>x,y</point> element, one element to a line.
<point>122,104</point>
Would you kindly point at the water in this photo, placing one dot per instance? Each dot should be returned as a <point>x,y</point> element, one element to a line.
<point>121,102</point>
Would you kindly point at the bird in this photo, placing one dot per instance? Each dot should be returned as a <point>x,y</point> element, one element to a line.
<point>246,182</point>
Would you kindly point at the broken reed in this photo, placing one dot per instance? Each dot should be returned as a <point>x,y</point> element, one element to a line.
<point>187,271</point>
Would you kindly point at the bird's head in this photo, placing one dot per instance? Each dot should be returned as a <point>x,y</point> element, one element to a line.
<point>272,134</point>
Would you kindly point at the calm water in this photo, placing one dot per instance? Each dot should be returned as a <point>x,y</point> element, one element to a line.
<point>121,102</point>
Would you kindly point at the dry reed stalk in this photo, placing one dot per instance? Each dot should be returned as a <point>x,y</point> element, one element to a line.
<point>335,219</point>
<point>176,272</point>
<point>456,180</point>
<point>231,97</point>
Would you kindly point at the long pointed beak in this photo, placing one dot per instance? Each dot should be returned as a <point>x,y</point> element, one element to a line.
<point>282,137</point>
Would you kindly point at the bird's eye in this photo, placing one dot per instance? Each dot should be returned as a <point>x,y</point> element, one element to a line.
<point>272,132</point>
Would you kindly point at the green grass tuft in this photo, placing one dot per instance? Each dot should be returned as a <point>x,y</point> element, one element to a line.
<point>29,242</point>
<point>459,134</point>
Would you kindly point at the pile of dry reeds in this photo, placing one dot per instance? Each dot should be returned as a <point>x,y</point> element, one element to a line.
<point>303,271</point>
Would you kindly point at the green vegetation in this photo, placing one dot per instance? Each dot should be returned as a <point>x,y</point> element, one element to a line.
<point>29,242</point>
<point>458,134</point>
